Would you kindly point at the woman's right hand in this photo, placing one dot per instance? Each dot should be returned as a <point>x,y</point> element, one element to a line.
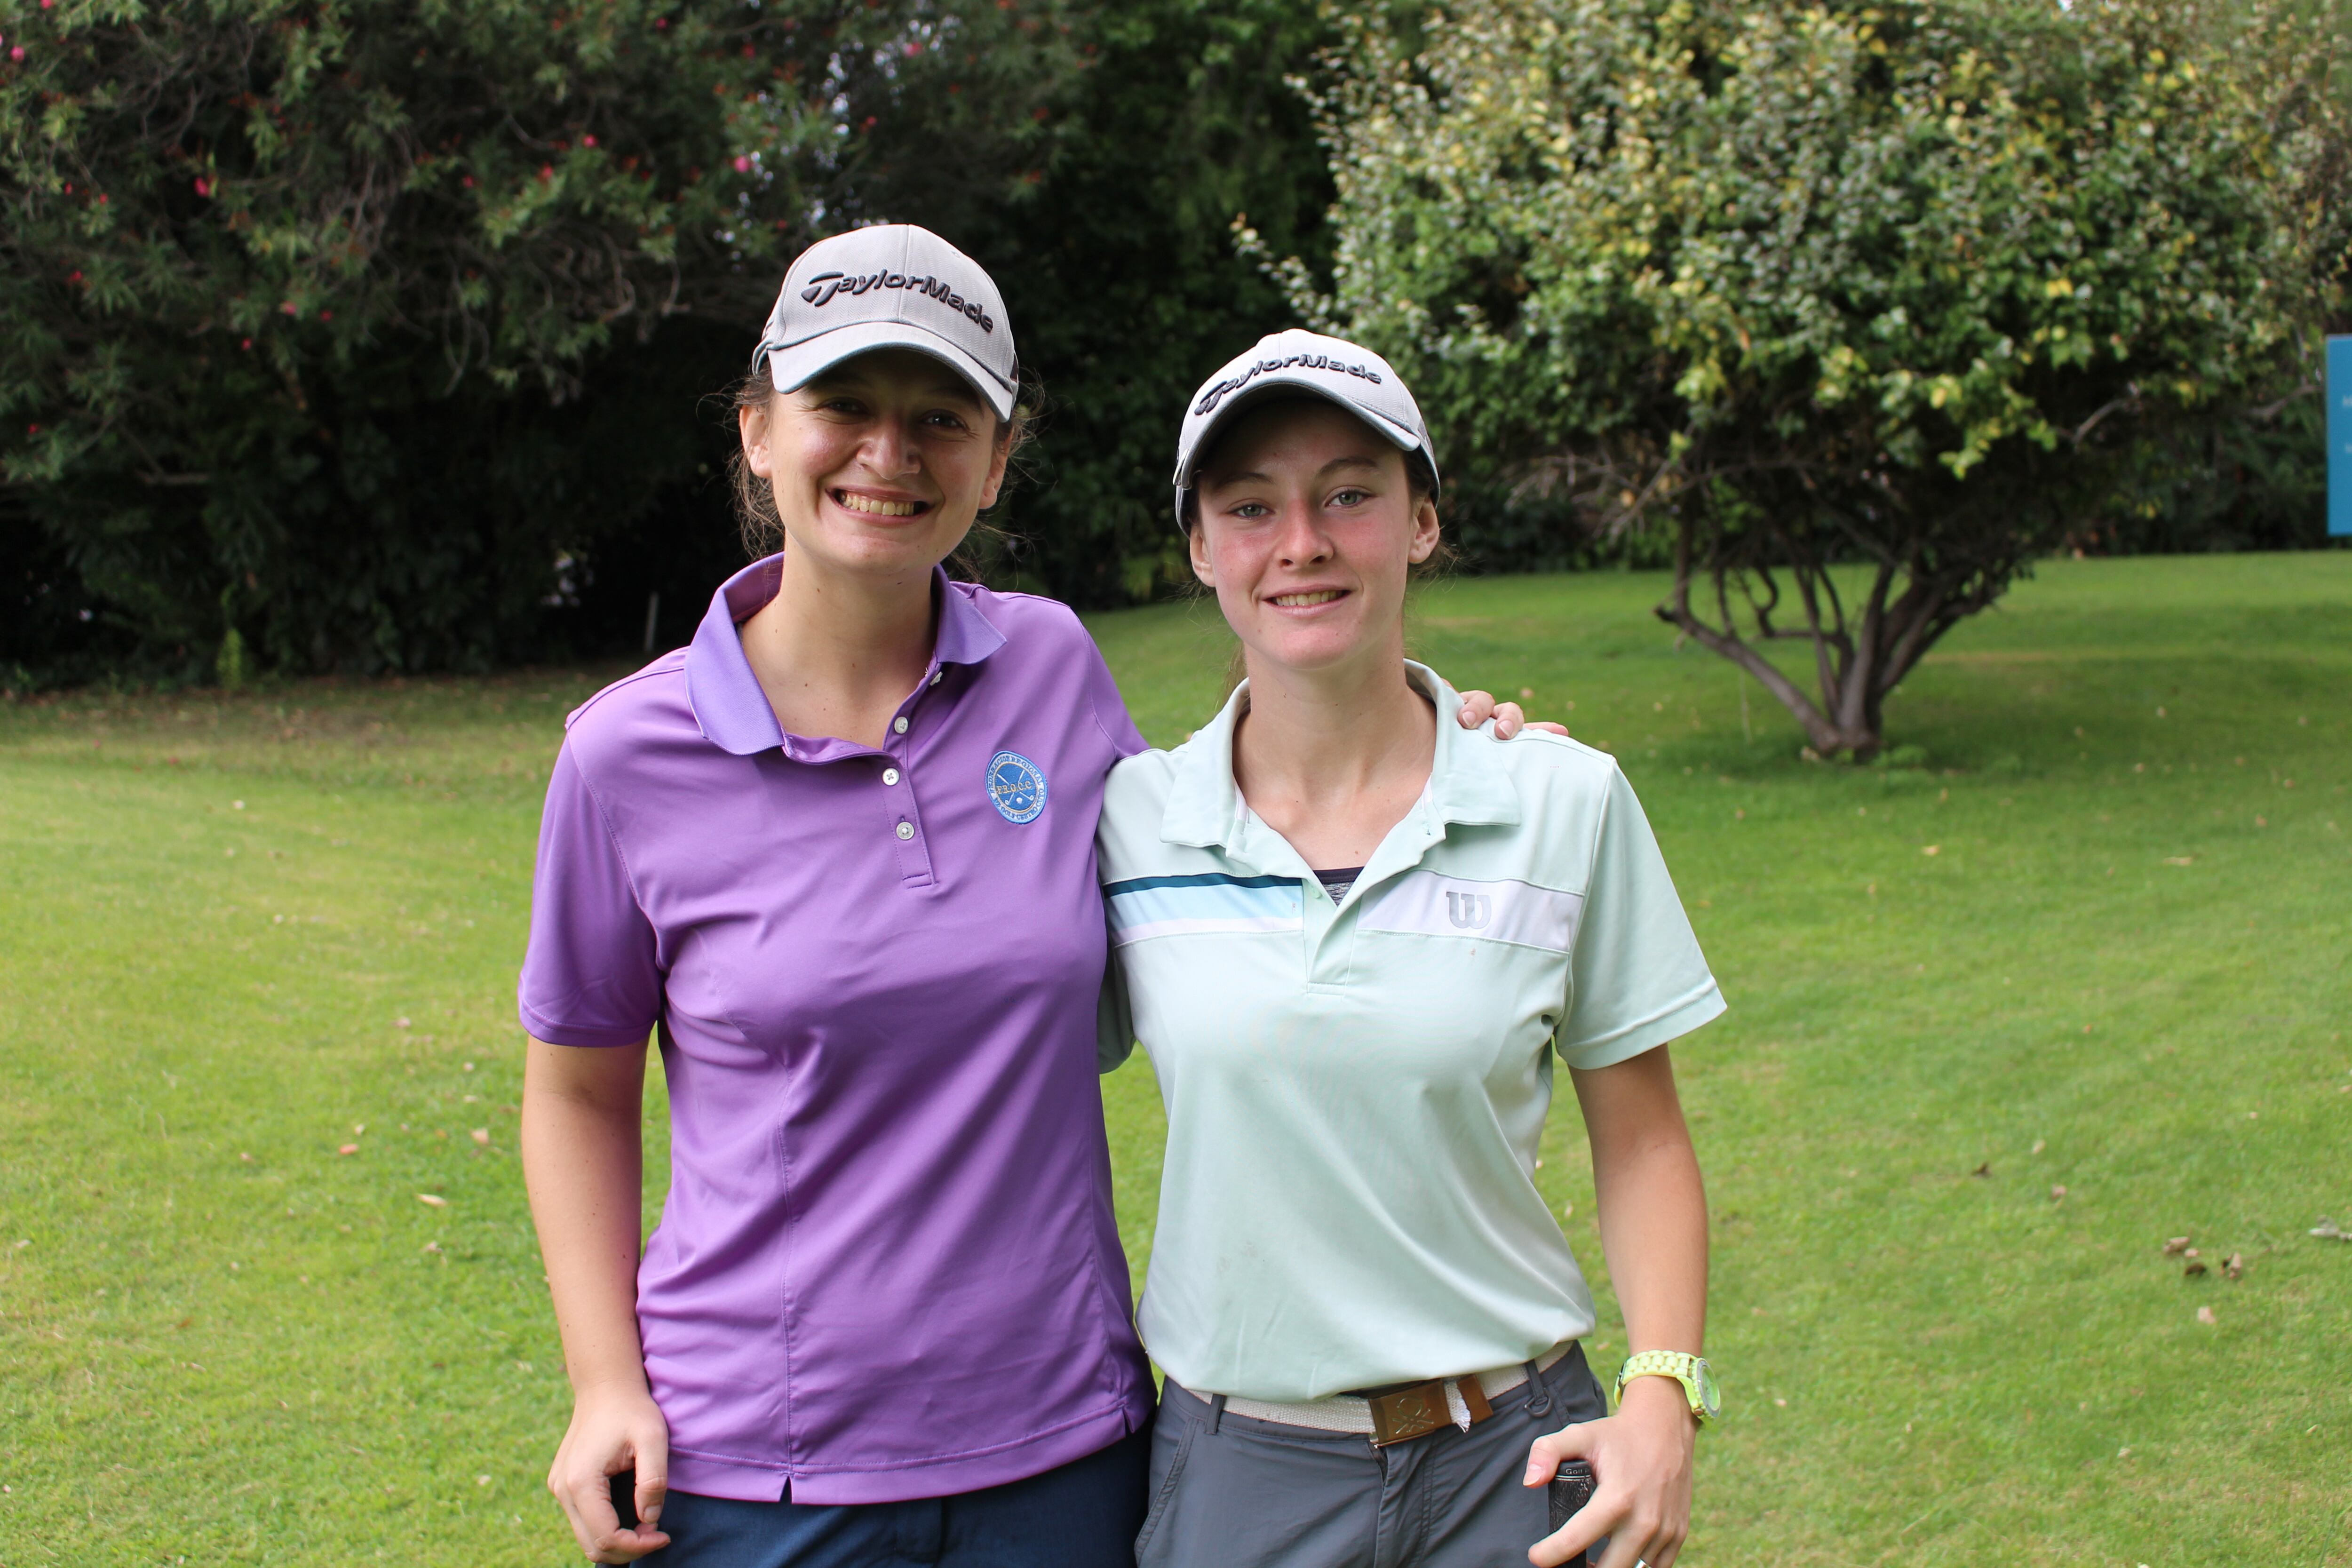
<point>613,1432</point>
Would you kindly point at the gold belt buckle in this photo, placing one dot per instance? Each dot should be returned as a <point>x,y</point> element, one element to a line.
<point>1404,1414</point>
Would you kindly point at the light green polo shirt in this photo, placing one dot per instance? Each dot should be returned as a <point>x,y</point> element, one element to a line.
<point>1356,1093</point>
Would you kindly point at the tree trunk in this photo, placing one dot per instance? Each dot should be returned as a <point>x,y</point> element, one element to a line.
<point>1860,653</point>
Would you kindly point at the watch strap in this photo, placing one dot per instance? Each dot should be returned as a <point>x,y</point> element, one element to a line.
<point>1681,1365</point>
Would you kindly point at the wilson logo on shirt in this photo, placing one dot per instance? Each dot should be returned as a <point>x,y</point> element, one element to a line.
<point>1208,903</point>
<point>1423,903</point>
<point>1016,786</point>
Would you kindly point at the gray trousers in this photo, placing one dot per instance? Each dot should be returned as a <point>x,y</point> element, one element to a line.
<point>1231,1492</point>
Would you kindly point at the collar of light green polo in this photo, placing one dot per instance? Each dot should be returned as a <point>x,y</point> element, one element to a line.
<point>1205,809</point>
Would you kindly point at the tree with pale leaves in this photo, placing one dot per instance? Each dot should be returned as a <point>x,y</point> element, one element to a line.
<point>1864,303</point>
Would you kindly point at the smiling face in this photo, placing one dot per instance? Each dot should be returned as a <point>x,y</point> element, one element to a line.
<point>880,465</point>
<point>1306,524</point>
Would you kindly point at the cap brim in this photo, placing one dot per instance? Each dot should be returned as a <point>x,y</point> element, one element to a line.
<point>1279,386</point>
<point>793,368</point>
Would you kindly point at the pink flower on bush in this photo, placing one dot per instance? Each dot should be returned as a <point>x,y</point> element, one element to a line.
<point>742,165</point>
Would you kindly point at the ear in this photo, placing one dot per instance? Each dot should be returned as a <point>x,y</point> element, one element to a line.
<point>1196,540</point>
<point>751,425</point>
<point>996,467</point>
<point>1424,531</point>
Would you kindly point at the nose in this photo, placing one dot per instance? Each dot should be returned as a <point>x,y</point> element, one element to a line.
<point>1302,541</point>
<point>890,450</point>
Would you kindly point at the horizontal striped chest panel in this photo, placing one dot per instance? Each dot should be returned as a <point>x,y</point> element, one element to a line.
<point>1203,903</point>
<point>1428,903</point>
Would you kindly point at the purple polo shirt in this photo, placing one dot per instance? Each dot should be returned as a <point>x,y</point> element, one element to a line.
<point>888,1266</point>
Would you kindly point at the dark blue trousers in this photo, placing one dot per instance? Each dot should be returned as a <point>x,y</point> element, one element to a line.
<point>1083,1515</point>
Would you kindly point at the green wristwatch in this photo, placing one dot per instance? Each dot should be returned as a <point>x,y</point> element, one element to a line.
<point>1696,1377</point>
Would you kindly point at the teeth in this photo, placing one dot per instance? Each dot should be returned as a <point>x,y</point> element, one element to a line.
<point>878,507</point>
<point>1297,601</point>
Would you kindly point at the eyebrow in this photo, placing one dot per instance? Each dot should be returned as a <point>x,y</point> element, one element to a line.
<point>949,386</point>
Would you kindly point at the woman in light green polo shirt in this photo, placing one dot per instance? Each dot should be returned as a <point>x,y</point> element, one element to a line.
<point>1351,939</point>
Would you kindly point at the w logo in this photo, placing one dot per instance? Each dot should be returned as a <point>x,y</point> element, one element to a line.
<point>1469,911</point>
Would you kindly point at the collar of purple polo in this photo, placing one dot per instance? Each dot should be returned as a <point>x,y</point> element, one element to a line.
<point>732,711</point>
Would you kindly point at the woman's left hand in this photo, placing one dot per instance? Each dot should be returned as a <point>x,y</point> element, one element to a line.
<point>1477,706</point>
<point>1641,1460</point>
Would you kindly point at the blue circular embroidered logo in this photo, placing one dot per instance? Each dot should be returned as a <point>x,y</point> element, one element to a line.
<point>1018,785</point>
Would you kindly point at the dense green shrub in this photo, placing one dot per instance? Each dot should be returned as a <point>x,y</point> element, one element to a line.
<point>337,324</point>
<point>1907,283</point>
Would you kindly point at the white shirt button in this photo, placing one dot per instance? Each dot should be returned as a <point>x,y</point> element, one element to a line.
<point>889,775</point>
<point>899,725</point>
<point>906,830</point>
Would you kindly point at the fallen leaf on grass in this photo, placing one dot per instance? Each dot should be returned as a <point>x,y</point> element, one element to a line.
<point>1931,849</point>
<point>432,1247</point>
<point>2193,1271</point>
<point>2234,1265</point>
<point>2205,1315</point>
<point>349,1149</point>
<point>2326,1230</point>
<point>2038,1146</point>
<point>400,1023</point>
<point>1983,1169</point>
<point>2056,1193</point>
<point>2175,1245</point>
<point>2180,860</point>
<point>482,1136</point>
<point>437,1201</point>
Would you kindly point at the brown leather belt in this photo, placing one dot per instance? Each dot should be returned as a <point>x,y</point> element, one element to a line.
<point>1396,1412</point>
<point>1420,1408</point>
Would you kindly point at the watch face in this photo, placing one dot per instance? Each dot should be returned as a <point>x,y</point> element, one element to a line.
<point>1708,1394</point>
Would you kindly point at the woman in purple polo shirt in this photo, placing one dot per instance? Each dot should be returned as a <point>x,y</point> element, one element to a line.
<point>839,853</point>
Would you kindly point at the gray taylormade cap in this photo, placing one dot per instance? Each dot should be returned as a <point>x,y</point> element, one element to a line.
<point>1356,379</point>
<point>891,286</point>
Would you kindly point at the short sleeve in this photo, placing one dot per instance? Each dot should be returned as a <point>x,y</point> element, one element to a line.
<point>590,976</point>
<point>1636,977</point>
<point>1110,707</point>
<point>1114,1018</point>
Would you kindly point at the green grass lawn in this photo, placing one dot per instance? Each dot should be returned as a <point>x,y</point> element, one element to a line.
<point>2000,1026</point>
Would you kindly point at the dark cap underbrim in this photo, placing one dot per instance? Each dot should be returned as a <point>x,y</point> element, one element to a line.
<point>1279,386</point>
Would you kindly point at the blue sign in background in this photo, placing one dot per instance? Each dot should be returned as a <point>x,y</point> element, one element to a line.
<point>2339,435</point>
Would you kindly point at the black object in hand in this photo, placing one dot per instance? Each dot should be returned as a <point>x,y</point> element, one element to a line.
<point>624,1497</point>
<point>1572,1486</point>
